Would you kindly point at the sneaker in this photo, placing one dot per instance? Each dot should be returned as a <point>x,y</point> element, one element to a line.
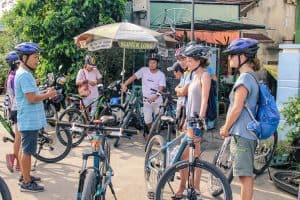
<point>31,187</point>
<point>10,159</point>
<point>33,178</point>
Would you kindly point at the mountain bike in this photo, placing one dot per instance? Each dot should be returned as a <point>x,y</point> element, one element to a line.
<point>167,109</point>
<point>4,190</point>
<point>163,165</point>
<point>94,180</point>
<point>263,155</point>
<point>133,113</point>
<point>80,113</point>
<point>50,149</point>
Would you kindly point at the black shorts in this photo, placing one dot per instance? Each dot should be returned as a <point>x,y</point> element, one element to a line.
<point>13,116</point>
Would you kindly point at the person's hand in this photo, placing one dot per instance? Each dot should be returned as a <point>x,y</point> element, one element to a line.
<point>92,83</point>
<point>224,132</point>
<point>123,88</point>
<point>51,93</point>
<point>152,99</point>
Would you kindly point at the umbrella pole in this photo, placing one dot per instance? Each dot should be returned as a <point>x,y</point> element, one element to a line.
<point>123,74</point>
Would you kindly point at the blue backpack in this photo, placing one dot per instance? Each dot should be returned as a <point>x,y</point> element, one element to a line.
<point>267,116</point>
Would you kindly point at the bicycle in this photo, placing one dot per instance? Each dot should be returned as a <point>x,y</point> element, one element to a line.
<point>167,109</point>
<point>262,159</point>
<point>50,149</point>
<point>133,115</point>
<point>80,113</point>
<point>94,180</point>
<point>162,167</point>
<point>4,190</point>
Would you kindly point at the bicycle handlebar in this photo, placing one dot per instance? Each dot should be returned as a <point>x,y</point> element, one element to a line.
<point>100,127</point>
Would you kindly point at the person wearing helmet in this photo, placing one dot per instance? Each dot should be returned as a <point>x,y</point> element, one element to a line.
<point>13,61</point>
<point>90,75</point>
<point>242,57</point>
<point>31,115</point>
<point>197,60</point>
<point>152,78</point>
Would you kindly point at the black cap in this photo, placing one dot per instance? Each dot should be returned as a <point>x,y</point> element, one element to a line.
<point>175,67</point>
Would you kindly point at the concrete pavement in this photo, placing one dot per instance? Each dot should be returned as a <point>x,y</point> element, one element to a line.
<point>61,179</point>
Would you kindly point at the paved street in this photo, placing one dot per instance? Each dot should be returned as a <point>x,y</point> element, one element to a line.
<point>61,179</point>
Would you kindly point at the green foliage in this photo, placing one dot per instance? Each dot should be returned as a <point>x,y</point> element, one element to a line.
<point>54,24</point>
<point>291,113</point>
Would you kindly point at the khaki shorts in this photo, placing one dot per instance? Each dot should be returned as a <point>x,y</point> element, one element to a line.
<point>242,151</point>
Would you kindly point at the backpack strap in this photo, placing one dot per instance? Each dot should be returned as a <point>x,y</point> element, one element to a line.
<point>246,104</point>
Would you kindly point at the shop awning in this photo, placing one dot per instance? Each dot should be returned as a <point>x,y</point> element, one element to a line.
<point>217,25</point>
<point>272,70</point>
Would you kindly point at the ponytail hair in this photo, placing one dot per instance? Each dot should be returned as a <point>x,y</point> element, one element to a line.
<point>256,64</point>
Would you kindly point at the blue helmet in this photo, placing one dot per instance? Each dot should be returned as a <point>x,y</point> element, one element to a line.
<point>12,58</point>
<point>28,48</point>
<point>245,46</point>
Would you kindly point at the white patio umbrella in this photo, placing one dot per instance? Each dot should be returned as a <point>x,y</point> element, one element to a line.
<point>124,35</point>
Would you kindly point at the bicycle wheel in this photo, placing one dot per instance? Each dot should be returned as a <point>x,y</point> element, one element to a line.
<point>4,190</point>
<point>264,153</point>
<point>169,183</point>
<point>154,130</point>
<point>287,181</point>
<point>74,115</point>
<point>89,185</point>
<point>223,160</point>
<point>50,147</point>
<point>153,168</point>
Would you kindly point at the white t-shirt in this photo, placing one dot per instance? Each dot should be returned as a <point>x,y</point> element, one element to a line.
<point>150,81</point>
<point>91,76</point>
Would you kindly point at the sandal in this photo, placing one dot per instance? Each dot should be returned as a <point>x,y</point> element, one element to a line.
<point>177,197</point>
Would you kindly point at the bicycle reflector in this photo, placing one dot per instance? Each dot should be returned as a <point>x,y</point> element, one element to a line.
<point>190,132</point>
<point>95,144</point>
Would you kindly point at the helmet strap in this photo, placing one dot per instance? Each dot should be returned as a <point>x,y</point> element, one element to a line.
<point>241,64</point>
<point>27,66</point>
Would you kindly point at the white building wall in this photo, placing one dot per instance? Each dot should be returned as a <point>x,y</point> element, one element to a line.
<point>6,5</point>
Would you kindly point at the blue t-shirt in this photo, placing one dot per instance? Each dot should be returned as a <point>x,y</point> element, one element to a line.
<point>240,125</point>
<point>31,116</point>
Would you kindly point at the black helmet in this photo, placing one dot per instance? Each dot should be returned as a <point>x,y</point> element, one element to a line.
<point>153,57</point>
<point>197,51</point>
<point>89,59</point>
<point>245,46</point>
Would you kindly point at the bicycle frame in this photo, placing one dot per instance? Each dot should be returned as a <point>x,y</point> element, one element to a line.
<point>99,156</point>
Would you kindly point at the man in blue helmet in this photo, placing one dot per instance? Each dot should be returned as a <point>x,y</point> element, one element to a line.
<point>31,115</point>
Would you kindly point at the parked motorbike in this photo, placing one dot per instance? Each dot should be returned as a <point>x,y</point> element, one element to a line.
<point>54,105</point>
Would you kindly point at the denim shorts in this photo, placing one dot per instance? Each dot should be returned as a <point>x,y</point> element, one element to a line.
<point>197,131</point>
<point>29,142</point>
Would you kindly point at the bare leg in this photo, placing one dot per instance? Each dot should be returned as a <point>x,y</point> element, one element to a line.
<point>26,167</point>
<point>17,144</point>
<point>247,184</point>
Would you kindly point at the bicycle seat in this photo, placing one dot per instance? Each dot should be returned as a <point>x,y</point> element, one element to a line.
<point>167,119</point>
<point>107,119</point>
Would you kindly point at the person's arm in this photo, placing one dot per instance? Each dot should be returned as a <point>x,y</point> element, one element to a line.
<point>79,79</point>
<point>182,92</point>
<point>240,96</point>
<point>34,98</point>
<point>205,87</point>
<point>128,82</point>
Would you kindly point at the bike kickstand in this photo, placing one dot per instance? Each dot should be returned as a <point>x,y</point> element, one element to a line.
<point>112,191</point>
<point>34,165</point>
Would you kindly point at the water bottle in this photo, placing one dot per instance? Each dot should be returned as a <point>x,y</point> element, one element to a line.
<point>173,154</point>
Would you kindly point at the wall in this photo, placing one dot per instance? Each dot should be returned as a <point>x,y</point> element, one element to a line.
<point>279,18</point>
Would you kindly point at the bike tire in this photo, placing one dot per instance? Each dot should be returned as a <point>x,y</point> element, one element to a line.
<point>62,154</point>
<point>279,181</point>
<point>74,115</point>
<point>262,147</point>
<point>4,190</point>
<point>89,185</point>
<point>154,130</point>
<point>227,171</point>
<point>169,175</point>
<point>156,143</point>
